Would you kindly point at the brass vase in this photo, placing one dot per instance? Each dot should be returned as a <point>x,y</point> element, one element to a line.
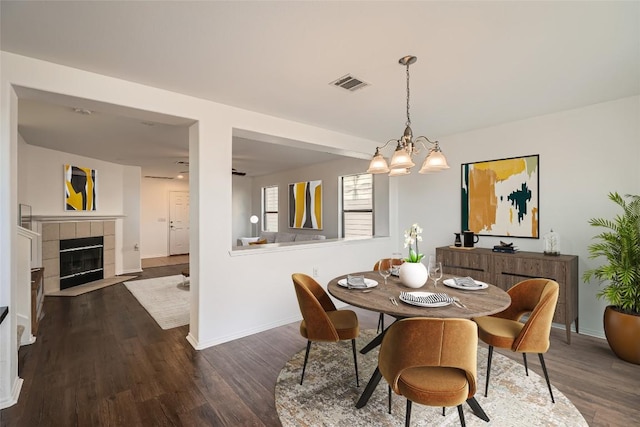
<point>623,334</point>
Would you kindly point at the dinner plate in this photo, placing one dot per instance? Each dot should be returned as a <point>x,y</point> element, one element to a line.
<point>420,298</point>
<point>452,284</point>
<point>369,283</point>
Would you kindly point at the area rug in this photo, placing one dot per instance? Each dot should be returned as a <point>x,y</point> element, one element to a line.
<point>328,394</point>
<point>164,298</point>
<point>89,287</point>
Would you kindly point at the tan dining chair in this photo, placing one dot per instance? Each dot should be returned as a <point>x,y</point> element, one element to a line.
<point>430,361</point>
<point>321,321</point>
<point>376,267</point>
<point>536,297</point>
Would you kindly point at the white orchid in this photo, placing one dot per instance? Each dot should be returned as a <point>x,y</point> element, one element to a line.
<point>412,236</point>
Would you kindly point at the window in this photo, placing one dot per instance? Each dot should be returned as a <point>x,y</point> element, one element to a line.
<point>270,208</point>
<point>357,205</point>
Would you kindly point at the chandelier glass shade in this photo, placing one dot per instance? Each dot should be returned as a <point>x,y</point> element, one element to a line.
<point>402,159</point>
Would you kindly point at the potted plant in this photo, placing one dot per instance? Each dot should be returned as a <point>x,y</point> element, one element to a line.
<point>619,244</point>
<point>413,273</point>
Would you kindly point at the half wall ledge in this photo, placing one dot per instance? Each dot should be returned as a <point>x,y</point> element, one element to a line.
<point>75,217</point>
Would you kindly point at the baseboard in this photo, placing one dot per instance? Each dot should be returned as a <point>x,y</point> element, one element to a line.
<point>12,399</point>
<point>592,333</point>
<point>30,339</point>
<point>129,271</point>
<point>221,340</point>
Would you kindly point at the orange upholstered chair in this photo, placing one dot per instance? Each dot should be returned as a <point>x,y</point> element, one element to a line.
<point>376,267</point>
<point>536,297</point>
<point>431,361</point>
<point>321,321</point>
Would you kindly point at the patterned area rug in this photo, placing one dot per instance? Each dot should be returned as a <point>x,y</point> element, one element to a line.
<point>328,394</point>
<point>166,299</point>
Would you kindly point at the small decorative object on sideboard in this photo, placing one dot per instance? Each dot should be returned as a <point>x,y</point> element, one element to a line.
<point>457,242</point>
<point>551,242</point>
<point>505,247</point>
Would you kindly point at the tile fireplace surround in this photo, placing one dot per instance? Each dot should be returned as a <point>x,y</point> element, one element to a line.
<point>53,232</point>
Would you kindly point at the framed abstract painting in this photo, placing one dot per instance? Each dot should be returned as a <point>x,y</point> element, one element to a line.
<point>305,205</point>
<point>80,188</point>
<point>501,197</point>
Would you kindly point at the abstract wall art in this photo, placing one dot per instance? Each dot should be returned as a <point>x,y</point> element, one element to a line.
<point>305,205</point>
<point>80,188</point>
<point>501,197</point>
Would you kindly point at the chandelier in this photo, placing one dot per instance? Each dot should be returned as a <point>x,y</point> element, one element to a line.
<point>406,147</point>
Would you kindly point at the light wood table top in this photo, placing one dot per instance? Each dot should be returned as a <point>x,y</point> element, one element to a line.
<point>478,302</point>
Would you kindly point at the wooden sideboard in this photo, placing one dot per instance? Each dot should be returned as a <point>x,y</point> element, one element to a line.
<point>505,270</point>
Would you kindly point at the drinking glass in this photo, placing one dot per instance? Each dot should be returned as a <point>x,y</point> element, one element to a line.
<point>396,260</point>
<point>435,270</point>
<point>384,268</point>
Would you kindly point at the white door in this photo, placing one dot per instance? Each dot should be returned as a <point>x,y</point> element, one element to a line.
<point>178,222</point>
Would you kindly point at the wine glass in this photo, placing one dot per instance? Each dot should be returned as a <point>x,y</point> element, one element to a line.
<point>384,268</point>
<point>396,261</point>
<point>435,270</point>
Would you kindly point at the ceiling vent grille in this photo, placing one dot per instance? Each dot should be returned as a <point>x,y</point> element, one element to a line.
<point>349,83</point>
<point>158,177</point>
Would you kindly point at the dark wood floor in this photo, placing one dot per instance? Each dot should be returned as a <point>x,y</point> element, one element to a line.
<point>101,360</point>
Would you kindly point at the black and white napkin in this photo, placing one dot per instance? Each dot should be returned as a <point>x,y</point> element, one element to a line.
<point>426,299</point>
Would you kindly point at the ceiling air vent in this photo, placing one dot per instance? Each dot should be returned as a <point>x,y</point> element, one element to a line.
<point>349,83</point>
<point>158,177</point>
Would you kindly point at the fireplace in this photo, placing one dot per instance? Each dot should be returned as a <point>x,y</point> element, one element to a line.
<point>81,261</point>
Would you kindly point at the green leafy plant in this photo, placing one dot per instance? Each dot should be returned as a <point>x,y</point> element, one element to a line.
<point>619,244</point>
<point>412,236</point>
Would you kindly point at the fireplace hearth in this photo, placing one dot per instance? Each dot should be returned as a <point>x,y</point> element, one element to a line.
<point>81,261</point>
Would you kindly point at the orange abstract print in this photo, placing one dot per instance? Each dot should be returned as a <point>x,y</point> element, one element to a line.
<point>500,197</point>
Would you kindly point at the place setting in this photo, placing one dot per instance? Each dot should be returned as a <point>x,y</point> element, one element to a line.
<point>465,283</point>
<point>358,282</point>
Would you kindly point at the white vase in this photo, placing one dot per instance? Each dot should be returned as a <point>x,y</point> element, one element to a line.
<point>413,274</point>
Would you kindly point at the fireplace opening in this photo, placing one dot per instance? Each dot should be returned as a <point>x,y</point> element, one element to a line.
<point>81,261</point>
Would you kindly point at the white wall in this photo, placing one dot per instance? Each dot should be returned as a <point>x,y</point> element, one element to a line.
<point>242,208</point>
<point>328,173</point>
<point>41,185</point>
<point>131,222</point>
<point>43,177</point>
<point>218,279</point>
<point>154,215</point>
<point>584,154</point>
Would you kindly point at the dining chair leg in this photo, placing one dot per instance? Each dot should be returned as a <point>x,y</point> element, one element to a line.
<point>443,411</point>
<point>407,420</point>
<point>461,415</point>
<point>389,387</point>
<point>546,375</point>
<point>486,386</point>
<point>306,356</point>
<point>526,368</point>
<point>355,361</point>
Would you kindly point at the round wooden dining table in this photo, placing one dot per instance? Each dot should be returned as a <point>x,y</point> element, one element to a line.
<point>472,303</point>
<point>476,303</point>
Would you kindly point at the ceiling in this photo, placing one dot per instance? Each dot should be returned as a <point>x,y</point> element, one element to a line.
<point>479,64</point>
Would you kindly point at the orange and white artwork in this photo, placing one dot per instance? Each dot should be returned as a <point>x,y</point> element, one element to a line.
<point>500,197</point>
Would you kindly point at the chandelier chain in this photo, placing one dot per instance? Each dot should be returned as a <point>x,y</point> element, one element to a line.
<point>408,94</point>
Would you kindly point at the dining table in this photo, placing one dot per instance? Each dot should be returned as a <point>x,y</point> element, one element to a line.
<point>385,298</point>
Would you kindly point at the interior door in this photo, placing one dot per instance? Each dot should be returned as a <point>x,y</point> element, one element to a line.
<point>178,222</point>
